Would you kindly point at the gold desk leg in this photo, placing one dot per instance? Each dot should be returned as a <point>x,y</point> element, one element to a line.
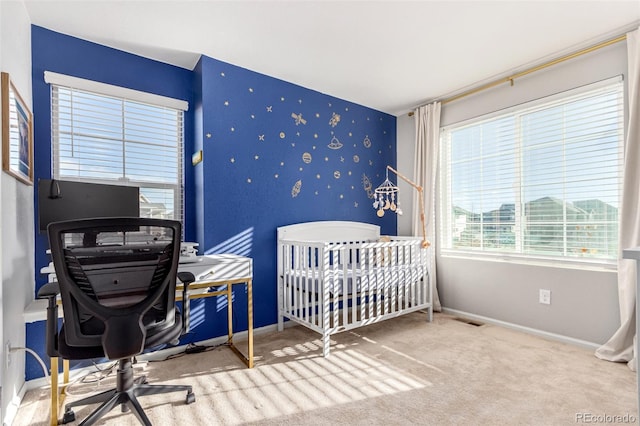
<point>58,392</point>
<point>54,391</point>
<point>248,360</point>
<point>230,313</point>
<point>250,319</point>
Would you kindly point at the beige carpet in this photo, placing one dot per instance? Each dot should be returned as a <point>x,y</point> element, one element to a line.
<point>399,372</point>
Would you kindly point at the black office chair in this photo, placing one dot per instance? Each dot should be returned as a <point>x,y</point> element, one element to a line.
<point>117,282</point>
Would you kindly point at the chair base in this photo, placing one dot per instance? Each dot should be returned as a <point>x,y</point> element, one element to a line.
<point>126,394</point>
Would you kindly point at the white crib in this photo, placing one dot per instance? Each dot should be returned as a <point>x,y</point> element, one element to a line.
<point>335,276</point>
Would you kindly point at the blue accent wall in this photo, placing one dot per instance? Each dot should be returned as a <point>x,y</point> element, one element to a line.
<point>274,153</point>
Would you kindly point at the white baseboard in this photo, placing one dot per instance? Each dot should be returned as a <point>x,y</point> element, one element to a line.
<point>528,330</point>
<point>12,407</point>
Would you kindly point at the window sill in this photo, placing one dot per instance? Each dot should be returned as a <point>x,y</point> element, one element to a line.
<point>581,264</point>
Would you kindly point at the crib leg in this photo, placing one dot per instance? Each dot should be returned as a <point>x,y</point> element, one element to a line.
<point>326,344</point>
<point>280,322</point>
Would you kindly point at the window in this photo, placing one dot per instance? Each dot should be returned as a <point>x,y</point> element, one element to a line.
<point>540,180</point>
<point>116,140</point>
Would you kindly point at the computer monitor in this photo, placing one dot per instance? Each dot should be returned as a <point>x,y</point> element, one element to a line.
<point>60,200</point>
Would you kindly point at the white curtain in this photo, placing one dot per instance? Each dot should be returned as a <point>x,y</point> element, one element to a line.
<point>620,346</point>
<point>425,168</point>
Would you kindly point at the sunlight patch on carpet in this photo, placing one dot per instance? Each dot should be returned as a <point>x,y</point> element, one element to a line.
<point>305,384</point>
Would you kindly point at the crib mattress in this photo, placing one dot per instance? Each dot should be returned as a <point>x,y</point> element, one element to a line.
<point>365,279</point>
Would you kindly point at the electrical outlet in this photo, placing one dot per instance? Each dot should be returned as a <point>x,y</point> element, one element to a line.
<point>7,355</point>
<point>545,296</point>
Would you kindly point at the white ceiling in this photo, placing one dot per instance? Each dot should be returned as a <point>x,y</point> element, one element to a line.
<point>387,55</point>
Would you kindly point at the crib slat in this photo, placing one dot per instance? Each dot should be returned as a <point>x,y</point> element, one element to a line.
<point>378,281</point>
<point>308,283</point>
<point>419,292</point>
<point>357,284</point>
<point>400,280</point>
<point>283,292</point>
<point>290,281</point>
<point>364,282</point>
<point>325,291</point>
<point>406,251</point>
<point>287,278</point>
<point>383,282</point>
<point>366,268</point>
<point>393,283</point>
<point>345,288</point>
<point>314,287</point>
<point>299,282</point>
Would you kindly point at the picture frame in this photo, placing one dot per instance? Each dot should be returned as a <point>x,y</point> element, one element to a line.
<point>17,133</point>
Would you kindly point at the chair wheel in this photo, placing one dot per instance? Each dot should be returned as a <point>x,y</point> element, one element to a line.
<point>68,417</point>
<point>191,397</point>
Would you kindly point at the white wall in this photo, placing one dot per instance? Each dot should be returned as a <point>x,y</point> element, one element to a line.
<point>405,133</point>
<point>16,207</point>
<point>584,302</point>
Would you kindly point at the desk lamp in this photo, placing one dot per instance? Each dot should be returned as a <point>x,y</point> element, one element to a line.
<point>386,196</point>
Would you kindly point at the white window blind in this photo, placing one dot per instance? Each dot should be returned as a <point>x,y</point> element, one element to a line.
<point>114,140</point>
<point>541,180</point>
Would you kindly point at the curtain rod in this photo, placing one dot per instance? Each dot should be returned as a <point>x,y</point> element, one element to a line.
<point>512,77</point>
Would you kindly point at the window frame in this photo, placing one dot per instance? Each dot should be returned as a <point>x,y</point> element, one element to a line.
<point>446,217</point>
<point>123,95</point>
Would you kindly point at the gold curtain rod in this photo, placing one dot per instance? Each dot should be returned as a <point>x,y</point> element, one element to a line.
<point>533,69</point>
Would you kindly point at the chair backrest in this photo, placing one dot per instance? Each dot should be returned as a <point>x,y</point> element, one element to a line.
<point>117,279</point>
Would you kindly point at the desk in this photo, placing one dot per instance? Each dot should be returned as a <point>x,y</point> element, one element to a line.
<point>211,272</point>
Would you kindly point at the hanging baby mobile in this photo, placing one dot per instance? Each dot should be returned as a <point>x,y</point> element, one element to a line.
<point>386,197</point>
